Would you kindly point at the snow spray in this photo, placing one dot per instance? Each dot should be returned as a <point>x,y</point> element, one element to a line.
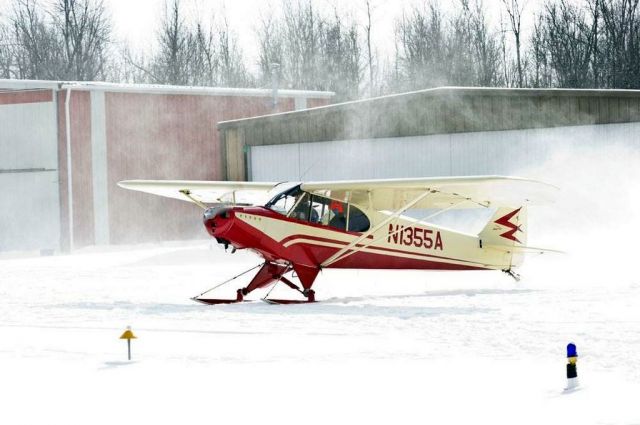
<point>572,369</point>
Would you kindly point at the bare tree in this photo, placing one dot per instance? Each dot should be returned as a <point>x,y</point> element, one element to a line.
<point>481,46</point>
<point>514,10</point>
<point>487,49</point>
<point>312,51</point>
<point>570,42</point>
<point>271,53</point>
<point>621,43</point>
<point>86,34</point>
<point>192,53</point>
<point>458,45</point>
<point>370,55</point>
<point>436,51</point>
<point>5,51</point>
<point>129,66</point>
<point>301,36</point>
<point>70,42</point>
<point>421,49</point>
<point>541,71</point>
<point>36,48</point>
<point>203,63</point>
<point>340,61</point>
<point>231,69</point>
<point>170,64</point>
<point>594,11</point>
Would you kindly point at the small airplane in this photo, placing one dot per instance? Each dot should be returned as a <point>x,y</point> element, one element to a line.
<point>302,228</point>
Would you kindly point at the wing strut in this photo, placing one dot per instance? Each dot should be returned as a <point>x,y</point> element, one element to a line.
<point>187,194</point>
<point>366,234</point>
<point>399,230</point>
<point>353,251</point>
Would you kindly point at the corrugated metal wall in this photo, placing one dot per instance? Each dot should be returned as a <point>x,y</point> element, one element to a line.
<point>426,121</point>
<point>29,203</point>
<point>479,153</point>
<point>158,137</point>
<point>151,136</point>
<point>443,111</point>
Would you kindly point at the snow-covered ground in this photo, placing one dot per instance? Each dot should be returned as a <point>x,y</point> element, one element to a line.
<point>383,347</point>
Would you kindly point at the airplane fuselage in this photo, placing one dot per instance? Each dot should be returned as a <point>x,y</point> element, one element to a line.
<point>400,244</point>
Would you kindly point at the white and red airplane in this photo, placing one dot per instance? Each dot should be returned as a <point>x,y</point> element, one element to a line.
<point>307,227</point>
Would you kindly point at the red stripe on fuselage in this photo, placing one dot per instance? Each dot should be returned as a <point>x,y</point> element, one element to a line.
<point>379,248</point>
<point>371,260</point>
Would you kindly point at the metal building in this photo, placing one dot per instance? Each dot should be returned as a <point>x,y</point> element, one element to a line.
<point>29,198</point>
<point>64,146</point>
<point>435,132</point>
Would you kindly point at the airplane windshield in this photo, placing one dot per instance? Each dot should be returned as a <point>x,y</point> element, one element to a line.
<point>283,202</point>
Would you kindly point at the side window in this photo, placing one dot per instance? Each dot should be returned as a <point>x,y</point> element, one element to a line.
<point>338,215</point>
<point>301,209</point>
<point>328,212</point>
<point>318,210</point>
<point>358,221</point>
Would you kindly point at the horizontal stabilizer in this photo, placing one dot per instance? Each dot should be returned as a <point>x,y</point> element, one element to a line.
<point>523,249</point>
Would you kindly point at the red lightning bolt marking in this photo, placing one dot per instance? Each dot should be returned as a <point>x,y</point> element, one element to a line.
<point>505,221</point>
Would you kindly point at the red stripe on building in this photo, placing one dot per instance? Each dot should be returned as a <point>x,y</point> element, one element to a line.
<point>25,96</point>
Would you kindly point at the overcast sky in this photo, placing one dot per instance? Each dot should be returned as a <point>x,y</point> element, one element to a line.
<point>137,20</point>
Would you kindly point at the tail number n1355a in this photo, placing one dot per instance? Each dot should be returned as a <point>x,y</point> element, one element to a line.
<point>414,236</point>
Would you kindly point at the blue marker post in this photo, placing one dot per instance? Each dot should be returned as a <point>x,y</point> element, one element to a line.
<point>572,370</point>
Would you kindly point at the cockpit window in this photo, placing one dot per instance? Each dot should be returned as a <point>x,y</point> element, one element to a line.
<point>338,214</point>
<point>316,209</point>
<point>358,221</point>
<point>301,210</point>
<point>327,212</point>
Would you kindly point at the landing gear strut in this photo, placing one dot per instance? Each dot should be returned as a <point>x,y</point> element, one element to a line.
<point>269,274</point>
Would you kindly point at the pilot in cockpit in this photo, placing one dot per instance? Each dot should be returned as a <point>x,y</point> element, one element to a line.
<point>304,210</point>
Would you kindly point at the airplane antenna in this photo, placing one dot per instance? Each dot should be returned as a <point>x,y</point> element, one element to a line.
<point>309,169</point>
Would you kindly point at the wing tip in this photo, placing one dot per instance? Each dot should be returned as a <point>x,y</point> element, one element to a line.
<point>127,184</point>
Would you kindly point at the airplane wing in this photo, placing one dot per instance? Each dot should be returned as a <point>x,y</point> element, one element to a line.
<point>447,192</point>
<point>204,192</point>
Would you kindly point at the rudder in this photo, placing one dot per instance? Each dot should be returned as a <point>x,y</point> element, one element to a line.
<point>506,228</point>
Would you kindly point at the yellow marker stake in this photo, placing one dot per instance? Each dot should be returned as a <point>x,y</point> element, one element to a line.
<point>128,335</point>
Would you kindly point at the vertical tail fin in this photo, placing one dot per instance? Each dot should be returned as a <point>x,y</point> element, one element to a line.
<point>506,228</point>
